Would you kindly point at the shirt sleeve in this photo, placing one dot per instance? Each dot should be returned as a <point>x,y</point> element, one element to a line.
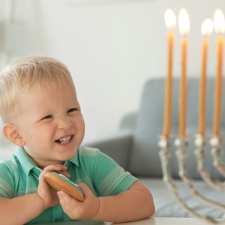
<point>6,182</point>
<point>109,178</point>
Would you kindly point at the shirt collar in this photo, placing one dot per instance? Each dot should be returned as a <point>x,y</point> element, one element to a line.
<point>28,163</point>
<point>74,160</point>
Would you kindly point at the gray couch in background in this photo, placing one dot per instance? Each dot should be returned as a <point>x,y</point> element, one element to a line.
<point>138,152</point>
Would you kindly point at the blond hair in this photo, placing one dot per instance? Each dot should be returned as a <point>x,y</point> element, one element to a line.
<point>25,73</point>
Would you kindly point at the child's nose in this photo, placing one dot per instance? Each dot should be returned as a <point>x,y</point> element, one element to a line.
<point>64,123</point>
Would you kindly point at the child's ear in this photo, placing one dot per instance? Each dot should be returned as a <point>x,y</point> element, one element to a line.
<point>11,132</point>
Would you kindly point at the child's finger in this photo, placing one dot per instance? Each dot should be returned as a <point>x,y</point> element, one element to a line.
<point>87,191</point>
<point>66,201</point>
<point>70,205</point>
<point>42,181</point>
<point>56,167</point>
<point>65,173</point>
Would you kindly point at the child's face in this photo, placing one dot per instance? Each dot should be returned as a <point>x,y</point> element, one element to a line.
<point>45,116</point>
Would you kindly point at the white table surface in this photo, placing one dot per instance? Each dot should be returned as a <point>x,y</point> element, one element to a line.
<point>168,221</point>
<point>155,221</point>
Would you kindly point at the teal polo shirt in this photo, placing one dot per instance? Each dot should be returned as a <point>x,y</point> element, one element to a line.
<point>19,176</point>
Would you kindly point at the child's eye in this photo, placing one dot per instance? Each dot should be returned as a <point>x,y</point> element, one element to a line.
<point>46,117</point>
<point>72,110</point>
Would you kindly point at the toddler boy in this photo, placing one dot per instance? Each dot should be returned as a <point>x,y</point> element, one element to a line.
<point>42,116</point>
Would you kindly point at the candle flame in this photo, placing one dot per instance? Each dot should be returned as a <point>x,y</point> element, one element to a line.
<point>219,21</point>
<point>184,22</point>
<point>170,19</point>
<point>207,27</point>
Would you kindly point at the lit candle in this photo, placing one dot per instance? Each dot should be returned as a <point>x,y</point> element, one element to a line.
<point>207,28</point>
<point>184,28</point>
<point>170,20</point>
<point>219,24</point>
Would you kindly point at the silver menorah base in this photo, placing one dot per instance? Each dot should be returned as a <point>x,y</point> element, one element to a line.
<point>180,147</point>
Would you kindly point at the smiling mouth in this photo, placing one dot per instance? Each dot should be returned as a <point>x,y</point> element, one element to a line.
<point>64,140</point>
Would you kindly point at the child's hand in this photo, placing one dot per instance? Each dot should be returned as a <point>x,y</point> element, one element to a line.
<point>75,209</point>
<point>47,194</point>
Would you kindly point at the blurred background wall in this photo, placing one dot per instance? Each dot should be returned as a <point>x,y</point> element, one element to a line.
<point>110,46</point>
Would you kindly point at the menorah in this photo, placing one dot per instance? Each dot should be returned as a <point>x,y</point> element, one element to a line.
<point>181,154</point>
<point>180,144</point>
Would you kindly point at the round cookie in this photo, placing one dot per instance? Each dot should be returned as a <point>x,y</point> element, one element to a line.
<point>60,182</point>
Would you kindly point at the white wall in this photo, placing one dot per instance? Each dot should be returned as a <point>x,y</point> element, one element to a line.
<point>110,46</point>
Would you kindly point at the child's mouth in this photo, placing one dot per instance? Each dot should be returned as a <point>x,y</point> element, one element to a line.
<point>64,140</point>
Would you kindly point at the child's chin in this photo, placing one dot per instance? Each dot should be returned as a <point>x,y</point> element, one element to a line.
<point>68,154</point>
